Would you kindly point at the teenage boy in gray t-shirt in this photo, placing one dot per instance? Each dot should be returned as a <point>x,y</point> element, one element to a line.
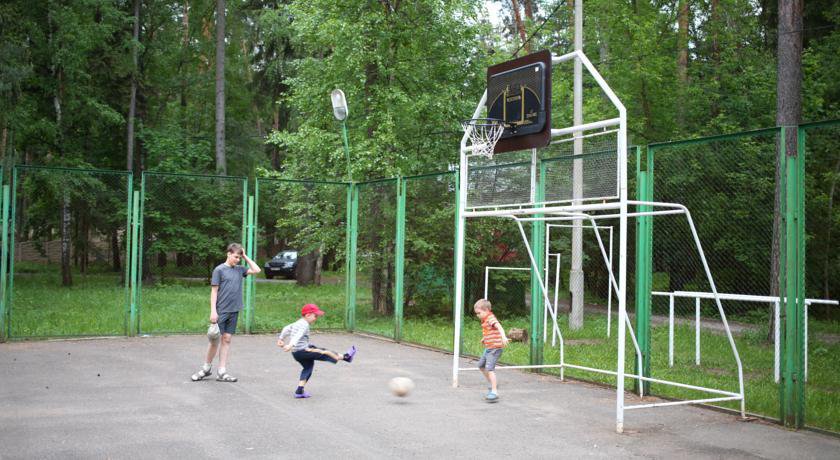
<point>225,305</point>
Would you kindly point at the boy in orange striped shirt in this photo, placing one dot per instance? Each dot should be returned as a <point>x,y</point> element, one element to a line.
<point>494,341</point>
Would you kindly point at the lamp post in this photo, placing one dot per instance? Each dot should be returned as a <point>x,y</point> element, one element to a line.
<point>339,103</point>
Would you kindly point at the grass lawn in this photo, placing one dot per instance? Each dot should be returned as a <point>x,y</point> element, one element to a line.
<point>95,305</point>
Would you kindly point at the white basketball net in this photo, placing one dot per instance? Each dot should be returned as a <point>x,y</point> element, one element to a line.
<point>484,133</point>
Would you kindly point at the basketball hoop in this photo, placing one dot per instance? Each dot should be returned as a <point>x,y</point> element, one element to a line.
<point>484,133</point>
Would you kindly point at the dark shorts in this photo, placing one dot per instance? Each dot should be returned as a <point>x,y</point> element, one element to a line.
<point>489,358</point>
<point>227,322</point>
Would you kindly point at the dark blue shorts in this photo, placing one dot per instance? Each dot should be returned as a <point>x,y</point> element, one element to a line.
<point>227,322</point>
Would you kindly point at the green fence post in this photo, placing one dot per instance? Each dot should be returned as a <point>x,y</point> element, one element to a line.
<point>137,278</point>
<point>4,264</point>
<point>800,278</point>
<point>248,243</point>
<point>399,259</point>
<point>254,249</point>
<point>537,295</point>
<point>243,238</point>
<point>792,382</point>
<point>9,295</point>
<point>133,325</point>
<point>644,257</point>
<point>352,234</point>
<point>129,262</point>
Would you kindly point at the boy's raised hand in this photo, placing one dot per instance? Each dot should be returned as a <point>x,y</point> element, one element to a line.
<point>287,347</point>
<point>280,342</point>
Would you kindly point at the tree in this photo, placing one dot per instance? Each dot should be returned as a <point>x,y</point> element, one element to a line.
<point>221,162</point>
<point>132,105</point>
<point>788,114</point>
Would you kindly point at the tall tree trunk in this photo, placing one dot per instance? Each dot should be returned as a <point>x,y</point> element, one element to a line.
<point>185,47</point>
<point>275,150</point>
<point>520,26</point>
<point>116,264</point>
<point>319,264</point>
<point>788,113</point>
<point>221,162</point>
<point>682,55</point>
<point>529,9</point>
<point>715,27</point>
<point>4,137</point>
<point>682,42</point>
<point>66,276</point>
<point>58,74</point>
<point>132,105</point>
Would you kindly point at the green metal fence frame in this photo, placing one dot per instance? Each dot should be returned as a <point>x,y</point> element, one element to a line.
<point>400,250</point>
<point>792,385</point>
<point>253,238</point>
<point>138,279</point>
<point>9,246</point>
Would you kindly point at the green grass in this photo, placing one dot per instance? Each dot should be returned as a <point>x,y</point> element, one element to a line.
<point>95,305</point>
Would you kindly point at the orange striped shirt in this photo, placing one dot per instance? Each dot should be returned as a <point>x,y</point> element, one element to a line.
<point>491,337</point>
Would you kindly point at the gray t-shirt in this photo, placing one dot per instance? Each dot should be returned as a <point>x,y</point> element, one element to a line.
<point>229,280</point>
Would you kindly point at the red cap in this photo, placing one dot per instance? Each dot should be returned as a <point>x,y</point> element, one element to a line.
<point>310,308</point>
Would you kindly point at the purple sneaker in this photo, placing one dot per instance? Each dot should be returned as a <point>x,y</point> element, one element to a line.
<point>302,395</point>
<point>351,352</point>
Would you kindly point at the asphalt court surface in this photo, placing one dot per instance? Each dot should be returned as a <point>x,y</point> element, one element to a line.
<point>133,398</point>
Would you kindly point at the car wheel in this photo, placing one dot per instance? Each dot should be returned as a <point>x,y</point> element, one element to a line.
<point>268,277</point>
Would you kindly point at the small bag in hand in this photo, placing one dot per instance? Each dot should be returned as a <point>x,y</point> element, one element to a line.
<point>213,333</point>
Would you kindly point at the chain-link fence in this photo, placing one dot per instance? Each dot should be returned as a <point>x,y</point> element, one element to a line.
<point>301,244</point>
<point>822,283</point>
<point>187,223</point>
<point>68,267</point>
<point>375,259</point>
<point>728,185</point>
<point>429,264</point>
<point>69,249</point>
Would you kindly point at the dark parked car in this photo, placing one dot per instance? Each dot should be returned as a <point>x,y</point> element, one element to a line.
<point>283,264</point>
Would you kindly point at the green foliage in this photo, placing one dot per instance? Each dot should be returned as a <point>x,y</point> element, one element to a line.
<point>403,71</point>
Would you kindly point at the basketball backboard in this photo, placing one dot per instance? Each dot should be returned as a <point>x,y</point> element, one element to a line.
<point>519,94</point>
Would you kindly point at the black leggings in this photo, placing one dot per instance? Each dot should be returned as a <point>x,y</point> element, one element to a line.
<point>307,359</point>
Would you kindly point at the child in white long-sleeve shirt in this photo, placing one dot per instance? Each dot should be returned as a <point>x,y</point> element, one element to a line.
<point>296,337</point>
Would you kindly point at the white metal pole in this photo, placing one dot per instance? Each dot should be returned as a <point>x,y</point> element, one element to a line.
<point>671,330</point>
<point>545,276</point>
<point>697,331</point>
<point>459,243</point>
<point>536,272</point>
<point>805,332</point>
<point>622,264</point>
<point>776,344</point>
<point>609,291</point>
<point>720,308</point>
<point>486,280</point>
<point>576,275</point>
<point>556,291</point>
<point>459,267</point>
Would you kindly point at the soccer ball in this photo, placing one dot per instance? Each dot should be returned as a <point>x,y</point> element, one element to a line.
<point>401,386</point>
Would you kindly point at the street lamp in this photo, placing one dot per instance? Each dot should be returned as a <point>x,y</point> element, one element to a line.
<point>339,103</point>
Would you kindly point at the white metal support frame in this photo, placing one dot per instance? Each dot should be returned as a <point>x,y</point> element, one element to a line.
<point>557,281</point>
<point>740,298</point>
<point>487,275</point>
<point>548,256</point>
<point>576,211</point>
